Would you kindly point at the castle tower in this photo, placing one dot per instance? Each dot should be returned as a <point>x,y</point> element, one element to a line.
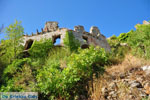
<point>50,26</point>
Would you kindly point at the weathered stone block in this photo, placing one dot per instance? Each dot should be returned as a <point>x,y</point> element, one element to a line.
<point>79,29</point>
<point>94,30</point>
<point>51,26</point>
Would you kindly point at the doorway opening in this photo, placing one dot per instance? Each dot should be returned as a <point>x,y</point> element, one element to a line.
<point>28,44</point>
<point>85,46</point>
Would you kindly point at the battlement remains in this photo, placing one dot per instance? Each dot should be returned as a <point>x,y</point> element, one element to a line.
<point>51,26</point>
<point>79,29</point>
<point>52,31</point>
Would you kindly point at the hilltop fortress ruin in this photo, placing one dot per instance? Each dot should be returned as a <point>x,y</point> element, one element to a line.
<point>51,30</point>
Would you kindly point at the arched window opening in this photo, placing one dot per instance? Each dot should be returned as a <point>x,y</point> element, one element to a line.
<point>85,39</point>
<point>28,44</point>
<point>56,40</point>
<point>85,46</point>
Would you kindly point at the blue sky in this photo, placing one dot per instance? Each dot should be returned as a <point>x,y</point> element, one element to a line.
<point>111,16</point>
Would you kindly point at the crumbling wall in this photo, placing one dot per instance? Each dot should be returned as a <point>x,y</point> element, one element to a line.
<point>47,35</point>
<point>94,37</point>
<point>51,30</point>
<point>51,26</point>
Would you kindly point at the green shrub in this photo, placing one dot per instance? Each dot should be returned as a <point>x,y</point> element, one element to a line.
<point>15,66</point>
<point>56,83</point>
<point>140,41</point>
<point>7,53</point>
<point>114,37</point>
<point>123,37</point>
<point>118,51</point>
<point>40,48</point>
<point>10,72</point>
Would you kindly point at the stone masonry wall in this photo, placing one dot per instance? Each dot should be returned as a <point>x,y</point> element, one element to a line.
<point>51,30</point>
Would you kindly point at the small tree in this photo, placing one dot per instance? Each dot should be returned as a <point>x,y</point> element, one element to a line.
<point>14,32</point>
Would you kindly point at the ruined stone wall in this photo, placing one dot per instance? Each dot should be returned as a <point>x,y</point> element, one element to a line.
<point>94,37</point>
<point>51,30</point>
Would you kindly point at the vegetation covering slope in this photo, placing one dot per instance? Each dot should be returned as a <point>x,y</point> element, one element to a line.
<point>126,78</point>
<point>63,73</point>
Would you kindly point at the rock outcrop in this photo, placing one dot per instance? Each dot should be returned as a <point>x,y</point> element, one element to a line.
<point>132,85</point>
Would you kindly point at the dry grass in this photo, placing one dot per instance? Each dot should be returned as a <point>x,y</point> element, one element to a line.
<point>128,63</point>
<point>97,86</point>
<point>115,70</point>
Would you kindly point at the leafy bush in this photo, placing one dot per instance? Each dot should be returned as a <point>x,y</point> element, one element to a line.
<point>114,37</point>
<point>40,48</point>
<point>57,83</point>
<point>7,52</point>
<point>20,75</point>
<point>14,32</point>
<point>118,51</point>
<point>140,41</point>
<point>57,54</point>
<point>16,65</point>
<point>123,37</point>
<point>9,75</point>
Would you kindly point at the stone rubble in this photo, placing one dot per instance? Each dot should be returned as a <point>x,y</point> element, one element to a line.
<point>132,85</point>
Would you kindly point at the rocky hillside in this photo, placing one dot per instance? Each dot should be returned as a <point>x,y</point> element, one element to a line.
<point>129,80</point>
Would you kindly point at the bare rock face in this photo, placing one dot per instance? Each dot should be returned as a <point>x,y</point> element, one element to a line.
<point>51,26</point>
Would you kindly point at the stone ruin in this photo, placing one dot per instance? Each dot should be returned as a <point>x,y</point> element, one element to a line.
<point>51,30</point>
<point>144,23</point>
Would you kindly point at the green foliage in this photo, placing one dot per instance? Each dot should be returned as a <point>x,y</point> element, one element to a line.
<point>118,51</point>
<point>10,75</point>
<point>140,41</point>
<point>14,32</point>
<point>58,72</point>
<point>15,66</point>
<point>57,54</point>
<point>40,48</point>
<point>146,98</point>
<point>6,52</point>
<point>10,48</point>
<point>123,37</point>
<point>20,75</point>
<point>137,41</point>
<point>55,72</point>
<point>56,83</point>
<point>114,37</point>
<point>70,41</point>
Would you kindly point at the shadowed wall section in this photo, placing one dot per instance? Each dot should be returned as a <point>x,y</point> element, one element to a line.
<point>28,44</point>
